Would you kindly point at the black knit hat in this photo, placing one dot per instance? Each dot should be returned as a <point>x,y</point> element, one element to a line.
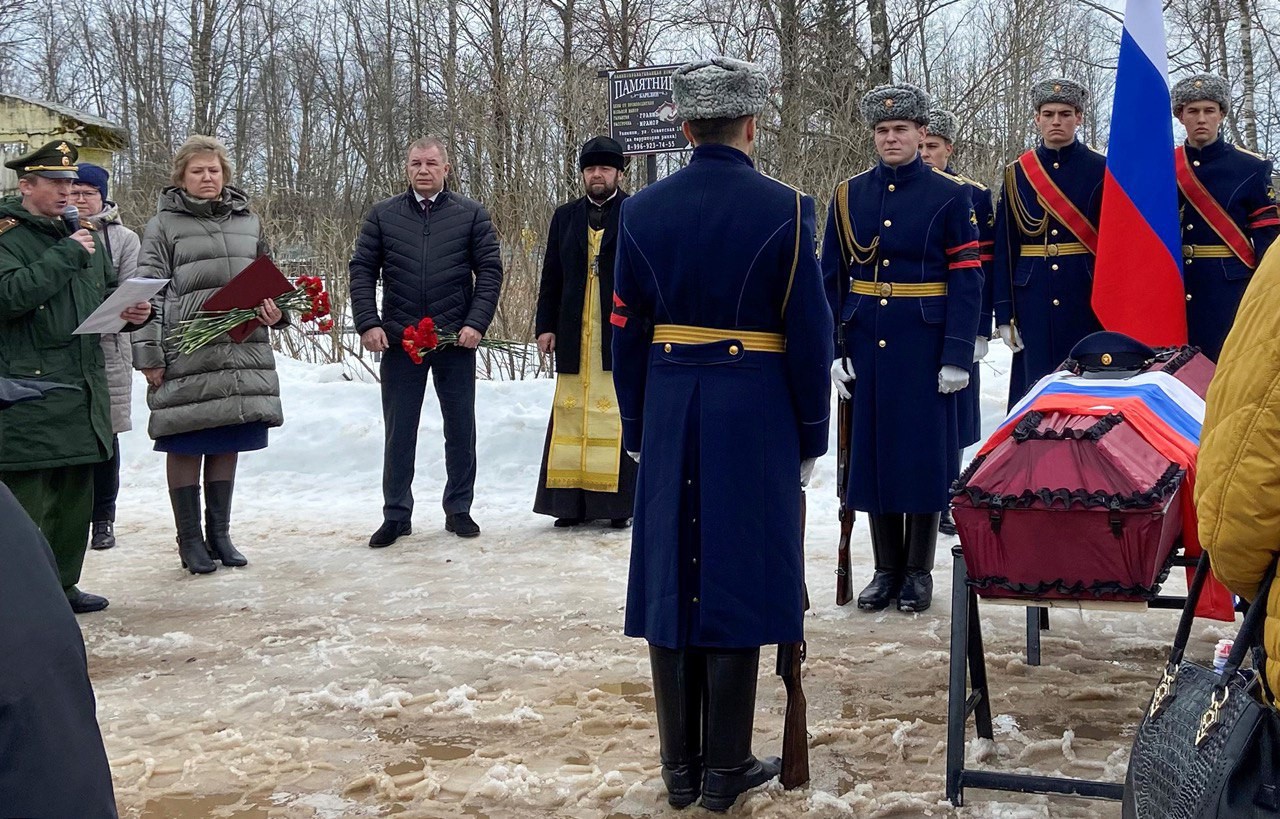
<point>602,151</point>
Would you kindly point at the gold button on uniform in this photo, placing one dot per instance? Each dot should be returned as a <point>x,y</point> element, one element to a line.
<point>1056,303</point>
<point>1196,163</point>
<point>885,263</point>
<point>1053,267</point>
<point>1055,165</point>
<point>666,348</point>
<point>42,307</point>
<point>1053,232</point>
<point>892,188</point>
<point>884,302</point>
<point>37,372</point>
<point>695,599</point>
<point>733,349</point>
<point>1188,297</point>
<point>881,342</point>
<point>888,223</point>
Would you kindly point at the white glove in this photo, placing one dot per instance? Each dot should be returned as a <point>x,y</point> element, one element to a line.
<point>1011,337</point>
<point>952,379</point>
<point>842,375</point>
<point>635,456</point>
<point>806,470</point>
<point>980,347</point>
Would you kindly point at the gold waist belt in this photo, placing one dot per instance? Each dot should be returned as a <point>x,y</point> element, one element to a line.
<point>1055,249</point>
<point>1207,252</point>
<point>901,290</point>
<point>751,340</point>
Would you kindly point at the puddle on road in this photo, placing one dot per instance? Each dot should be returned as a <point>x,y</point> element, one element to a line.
<point>222,806</point>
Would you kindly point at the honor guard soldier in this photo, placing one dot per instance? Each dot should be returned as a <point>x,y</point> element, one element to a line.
<point>901,264</point>
<point>937,150</point>
<point>1046,239</point>
<point>1228,208</point>
<point>719,333</point>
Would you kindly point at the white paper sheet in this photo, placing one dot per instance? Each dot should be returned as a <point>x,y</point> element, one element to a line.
<point>106,319</point>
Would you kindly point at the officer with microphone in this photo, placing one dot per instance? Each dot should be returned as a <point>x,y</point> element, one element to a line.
<point>53,274</point>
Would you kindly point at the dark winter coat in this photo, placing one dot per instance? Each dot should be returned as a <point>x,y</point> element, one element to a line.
<point>200,245</point>
<point>564,281</point>
<point>445,264</point>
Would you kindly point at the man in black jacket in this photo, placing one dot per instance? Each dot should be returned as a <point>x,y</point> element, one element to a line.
<point>436,254</point>
<point>585,474</point>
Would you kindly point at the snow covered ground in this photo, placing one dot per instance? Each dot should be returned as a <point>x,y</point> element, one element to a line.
<point>489,677</point>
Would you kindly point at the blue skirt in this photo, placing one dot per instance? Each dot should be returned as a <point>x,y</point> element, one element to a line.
<point>216,441</point>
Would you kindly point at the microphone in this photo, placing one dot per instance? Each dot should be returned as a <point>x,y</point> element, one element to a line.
<point>71,215</point>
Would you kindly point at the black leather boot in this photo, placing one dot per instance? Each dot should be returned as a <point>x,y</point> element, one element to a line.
<point>104,535</point>
<point>679,687</point>
<point>890,554</point>
<point>947,524</point>
<point>217,523</point>
<point>922,542</point>
<point>191,546</point>
<point>731,705</point>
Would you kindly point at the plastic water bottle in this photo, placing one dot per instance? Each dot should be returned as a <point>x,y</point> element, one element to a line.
<point>1220,653</point>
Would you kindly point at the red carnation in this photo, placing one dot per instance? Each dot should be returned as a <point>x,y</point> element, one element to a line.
<point>325,325</point>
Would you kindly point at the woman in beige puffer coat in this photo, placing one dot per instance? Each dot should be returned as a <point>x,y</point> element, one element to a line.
<point>89,196</point>
<point>218,401</point>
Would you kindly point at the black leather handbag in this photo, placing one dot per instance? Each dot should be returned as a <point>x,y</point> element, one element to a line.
<point>1208,746</point>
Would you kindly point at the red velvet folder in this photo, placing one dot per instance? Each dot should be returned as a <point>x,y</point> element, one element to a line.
<point>260,280</point>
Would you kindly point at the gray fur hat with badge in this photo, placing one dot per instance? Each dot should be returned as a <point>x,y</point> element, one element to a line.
<point>1061,90</point>
<point>943,124</point>
<point>895,101</point>
<point>1197,87</point>
<point>719,88</point>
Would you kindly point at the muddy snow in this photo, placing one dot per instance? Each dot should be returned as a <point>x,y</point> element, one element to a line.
<point>490,678</point>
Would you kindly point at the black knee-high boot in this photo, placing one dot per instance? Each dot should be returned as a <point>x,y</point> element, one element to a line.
<point>679,689</point>
<point>731,705</point>
<point>191,545</point>
<point>922,543</point>
<point>217,520</point>
<point>891,556</point>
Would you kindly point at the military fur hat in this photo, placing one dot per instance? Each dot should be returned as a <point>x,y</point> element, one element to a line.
<point>895,101</point>
<point>1059,89</point>
<point>1198,87</point>
<point>943,123</point>
<point>719,88</point>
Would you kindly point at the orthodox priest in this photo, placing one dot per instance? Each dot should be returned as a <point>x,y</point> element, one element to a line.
<point>585,474</point>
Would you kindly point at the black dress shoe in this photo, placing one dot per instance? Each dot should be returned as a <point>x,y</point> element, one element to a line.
<point>461,525</point>
<point>946,524</point>
<point>389,532</point>
<point>84,603</point>
<point>104,535</point>
<point>619,523</point>
<point>565,523</point>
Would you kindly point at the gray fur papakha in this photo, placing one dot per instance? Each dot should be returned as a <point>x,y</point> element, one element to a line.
<point>1059,89</point>
<point>1199,87</point>
<point>943,124</point>
<point>895,101</point>
<point>719,88</point>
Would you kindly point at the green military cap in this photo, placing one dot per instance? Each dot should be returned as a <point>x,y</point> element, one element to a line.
<point>53,160</point>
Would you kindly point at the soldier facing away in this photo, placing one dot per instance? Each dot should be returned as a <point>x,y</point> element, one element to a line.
<point>720,334</point>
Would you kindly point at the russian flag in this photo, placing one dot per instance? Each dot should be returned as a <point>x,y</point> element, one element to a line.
<point>1137,280</point>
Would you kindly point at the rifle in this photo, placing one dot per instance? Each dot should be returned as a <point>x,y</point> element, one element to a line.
<point>844,434</point>
<point>795,730</point>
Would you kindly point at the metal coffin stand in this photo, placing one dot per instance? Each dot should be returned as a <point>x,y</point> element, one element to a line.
<point>963,700</point>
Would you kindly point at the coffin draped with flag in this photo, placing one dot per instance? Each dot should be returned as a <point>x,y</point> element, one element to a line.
<point>1085,490</point>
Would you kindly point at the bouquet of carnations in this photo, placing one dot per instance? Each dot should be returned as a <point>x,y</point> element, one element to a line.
<point>309,298</point>
<point>424,338</point>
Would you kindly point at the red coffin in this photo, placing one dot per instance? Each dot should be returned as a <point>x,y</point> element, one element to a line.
<point>1075,507</point>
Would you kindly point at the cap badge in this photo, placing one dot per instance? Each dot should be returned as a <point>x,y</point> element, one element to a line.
<point>888,102</point>
<point>1106,359</point>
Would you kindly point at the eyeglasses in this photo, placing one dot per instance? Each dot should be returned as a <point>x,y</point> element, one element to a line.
<point>84,195</point>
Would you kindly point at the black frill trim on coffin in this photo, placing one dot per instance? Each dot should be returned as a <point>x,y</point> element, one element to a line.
<point>1157,495</point>
<point>1028,429</point>
<point>1077,589</point>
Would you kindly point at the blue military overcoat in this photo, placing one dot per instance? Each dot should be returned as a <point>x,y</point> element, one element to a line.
<point>1047,293</point>
<point>909,226</point>
<point>969,400</point>
<point>1241,183</point>
<point>721,351</point>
